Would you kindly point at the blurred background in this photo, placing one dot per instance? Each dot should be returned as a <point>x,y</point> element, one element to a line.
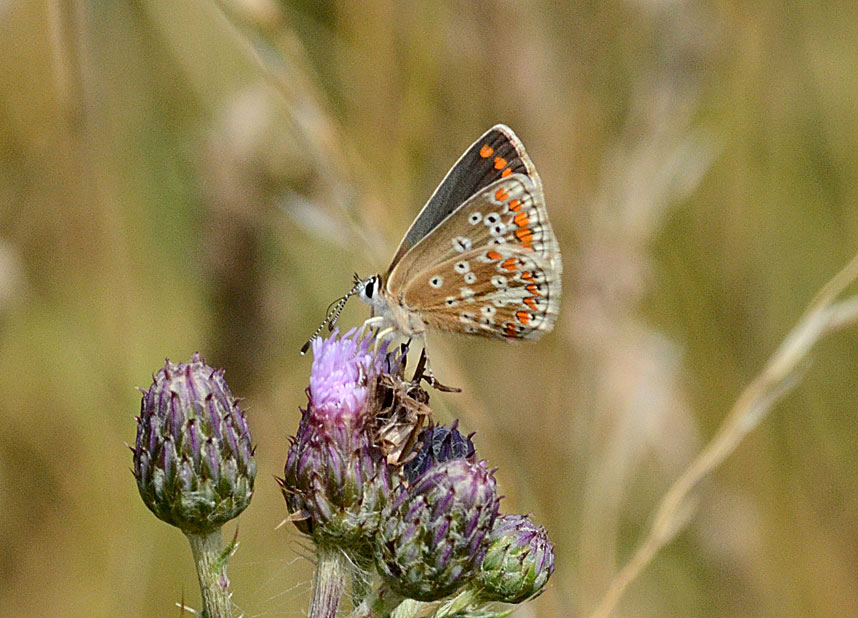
<point>192,176</point>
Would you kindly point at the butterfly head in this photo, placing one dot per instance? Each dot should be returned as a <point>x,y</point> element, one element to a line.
<point>369,291</point>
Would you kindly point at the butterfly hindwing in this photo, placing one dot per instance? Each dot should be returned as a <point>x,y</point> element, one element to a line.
<point>499,291</point>
<point>497,154</point>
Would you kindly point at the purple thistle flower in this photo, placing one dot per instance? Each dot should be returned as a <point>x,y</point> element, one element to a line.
<point>336,481</point>
<point>339,379</point>
<point>193,457</point>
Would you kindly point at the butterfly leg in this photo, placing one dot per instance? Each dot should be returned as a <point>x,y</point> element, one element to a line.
<point>382,334</point>
<point>424,372</point>
<point>371,323</point>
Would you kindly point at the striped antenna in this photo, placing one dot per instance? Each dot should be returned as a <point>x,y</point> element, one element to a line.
<point>333,313</point>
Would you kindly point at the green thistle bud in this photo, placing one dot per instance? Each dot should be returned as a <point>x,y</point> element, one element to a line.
<point>518,563</point>
<point>193,458</point>
<point>433,534</point>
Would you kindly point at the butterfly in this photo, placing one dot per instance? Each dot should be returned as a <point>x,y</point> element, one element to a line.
<point>480,258</point>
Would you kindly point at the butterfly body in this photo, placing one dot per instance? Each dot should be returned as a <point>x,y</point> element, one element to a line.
<point>481,257</point>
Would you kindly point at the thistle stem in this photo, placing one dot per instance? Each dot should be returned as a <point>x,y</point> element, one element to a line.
<point>330,583</point>
<point>211,558</point>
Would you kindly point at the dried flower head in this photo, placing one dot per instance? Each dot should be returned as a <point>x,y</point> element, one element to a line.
<point>401,408</point>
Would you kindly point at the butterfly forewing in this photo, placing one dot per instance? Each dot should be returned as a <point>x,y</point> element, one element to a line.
<point>509,211</point>
<point>506,291</point>
<point>497,154</point>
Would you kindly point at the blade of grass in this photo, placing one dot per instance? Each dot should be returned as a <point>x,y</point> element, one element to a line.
<point>778,376</point>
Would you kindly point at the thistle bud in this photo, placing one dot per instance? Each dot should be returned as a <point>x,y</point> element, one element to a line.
<point>433,533</point>
<point>336,480</point>
<point>193,458</point>
<point>439,444</point>
<point>518,563</point>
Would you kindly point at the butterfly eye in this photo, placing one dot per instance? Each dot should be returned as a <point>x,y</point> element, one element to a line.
<point>370,285</point>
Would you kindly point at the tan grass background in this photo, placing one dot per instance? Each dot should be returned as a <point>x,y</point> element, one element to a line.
<point>179,176</point>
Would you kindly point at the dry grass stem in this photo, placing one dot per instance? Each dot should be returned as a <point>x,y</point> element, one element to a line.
<point>823,315</point>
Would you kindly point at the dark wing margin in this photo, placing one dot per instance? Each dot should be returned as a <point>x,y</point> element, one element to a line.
<point>497,154</point>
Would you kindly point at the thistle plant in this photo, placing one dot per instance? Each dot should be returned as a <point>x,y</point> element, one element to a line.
<point>406,512</point>
<point>336,480</point>
<point>194,465</point>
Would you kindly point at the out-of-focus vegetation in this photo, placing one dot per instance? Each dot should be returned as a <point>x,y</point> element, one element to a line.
<point>178,176</point>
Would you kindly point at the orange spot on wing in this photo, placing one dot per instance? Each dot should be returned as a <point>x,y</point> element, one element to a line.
<point>527,276</point>
<point>506,172</point>
<point>524,235</point>
<point>510,264</point>
<point>501,195</point>
<point>533,289</point>
<point>523,317</point>
<point>510,331</point>
<point>500,163</point>
<point>530,302</point>
<point>486,151</point>
<point>493,255</point>
<point>521,219</point>
<point>515,205</point>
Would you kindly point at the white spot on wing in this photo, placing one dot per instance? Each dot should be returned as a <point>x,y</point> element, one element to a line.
<point>461,244</point>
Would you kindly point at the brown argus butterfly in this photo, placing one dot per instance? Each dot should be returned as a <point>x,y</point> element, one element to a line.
<point>481,257</point>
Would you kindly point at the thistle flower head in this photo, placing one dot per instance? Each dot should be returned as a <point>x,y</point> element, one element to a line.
<point>339,383</point>
<point>433,533</point>
<point>335,480</point>
<point>193,458</point>
<point>519,560</point>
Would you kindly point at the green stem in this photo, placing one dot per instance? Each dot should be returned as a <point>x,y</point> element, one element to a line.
<point>330,582</point>
<point>211,560</point>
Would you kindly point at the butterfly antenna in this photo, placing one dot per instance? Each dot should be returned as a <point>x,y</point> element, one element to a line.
<point>333,313</point>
